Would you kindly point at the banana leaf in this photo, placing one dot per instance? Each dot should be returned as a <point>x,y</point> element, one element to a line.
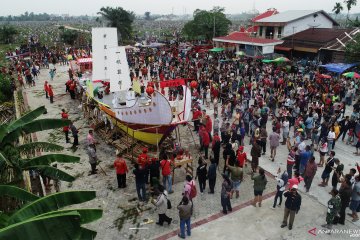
<point>3,220</point>
<point>48,159</point>
<point>87,215</point>
<point>51,172</point>
<point>39,146</point>
<point>4,161</point>
<point>86,234</point>
<point>64,226</point>
<point>51,203</point>
<point>25,119</point>
<point>3,131</point>
<point>34,126</point>
<point>18,193</point>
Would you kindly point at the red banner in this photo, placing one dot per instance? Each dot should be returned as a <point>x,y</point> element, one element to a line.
<point>172,83</point>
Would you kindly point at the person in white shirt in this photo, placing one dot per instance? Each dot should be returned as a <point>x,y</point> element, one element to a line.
<point>330,139</point>
<point>286,130</point>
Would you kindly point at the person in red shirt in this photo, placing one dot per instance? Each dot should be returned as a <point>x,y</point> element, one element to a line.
<point>72,89</point>
<point>21,81</point>
<point>51,94</point>
<point>208,125</point>
<point>196,118</point>
<point>65,115</point>
<point>165,166</point>
<point>205,140</point>
<point>241,156</point>
<point>121,170</point>
<point>46,89</point>
<point>143,161</point>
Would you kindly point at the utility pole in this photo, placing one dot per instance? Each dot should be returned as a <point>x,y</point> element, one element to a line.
<point>214,27</point>
<point>292,42</point>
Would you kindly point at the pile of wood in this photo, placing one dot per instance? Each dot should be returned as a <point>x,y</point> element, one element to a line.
<point>7,112</point>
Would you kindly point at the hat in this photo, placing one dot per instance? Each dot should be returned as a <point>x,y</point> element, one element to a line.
<point>295,187</point>
<point>241,148</point>
<point>300,130</point>
<point>145,150</point>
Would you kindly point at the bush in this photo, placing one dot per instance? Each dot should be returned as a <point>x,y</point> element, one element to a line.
<point>6,91</point>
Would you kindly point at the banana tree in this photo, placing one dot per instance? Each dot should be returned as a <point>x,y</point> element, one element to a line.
<point>16,158</point>
<point>45,218</point>
<point>13,157</point>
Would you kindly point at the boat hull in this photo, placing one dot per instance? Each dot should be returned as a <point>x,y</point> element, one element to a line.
<point>148,133</point>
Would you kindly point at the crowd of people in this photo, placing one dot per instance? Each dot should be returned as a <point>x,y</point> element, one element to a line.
<point>235,103</point>
<point>306,112</point>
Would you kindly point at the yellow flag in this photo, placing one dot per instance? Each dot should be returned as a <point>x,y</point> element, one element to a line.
<point>90,88</point>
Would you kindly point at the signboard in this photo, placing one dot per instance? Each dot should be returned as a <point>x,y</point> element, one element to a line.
<point>172,83</point>
<point>103,39</point>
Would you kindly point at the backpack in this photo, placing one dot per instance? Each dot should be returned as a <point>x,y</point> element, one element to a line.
<point>193,191</point>
<point>168,202</point>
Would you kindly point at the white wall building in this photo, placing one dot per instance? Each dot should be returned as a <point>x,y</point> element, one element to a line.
<point>290,22</point>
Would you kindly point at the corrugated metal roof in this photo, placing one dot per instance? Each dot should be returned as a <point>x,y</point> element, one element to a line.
<point>288,16</point>
<point>245,37</point>
<point>266,14</point>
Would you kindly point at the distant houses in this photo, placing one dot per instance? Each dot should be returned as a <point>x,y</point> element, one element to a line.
<point>294,33</point>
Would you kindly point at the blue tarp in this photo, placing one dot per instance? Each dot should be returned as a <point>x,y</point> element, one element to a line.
<point>338,67</point>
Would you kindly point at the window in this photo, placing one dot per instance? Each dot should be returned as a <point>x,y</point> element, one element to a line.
<point>118,71</point>
<point>105,57</point>
<point>261,31</point>
<point>105,46</point>
<point>118,61</point>
<point>104,35</point>
<point>105,68</point>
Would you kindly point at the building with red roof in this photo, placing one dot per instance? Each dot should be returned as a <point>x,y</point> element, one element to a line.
<point>242,41</point>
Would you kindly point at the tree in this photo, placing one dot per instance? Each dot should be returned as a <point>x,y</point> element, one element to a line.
<point>147,16</point>
<point>45,218</point>
<point>119,18</point>
<point>7,34</point>
<point>69,36</point>
<point>6,90</point>
<point>16,158</point>
<point>207,24</point>
<point>337,8</point>
<point>352,50</point>
<point>349,5</point>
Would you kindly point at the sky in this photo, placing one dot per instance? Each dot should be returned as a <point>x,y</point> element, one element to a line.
<point>91,7</point>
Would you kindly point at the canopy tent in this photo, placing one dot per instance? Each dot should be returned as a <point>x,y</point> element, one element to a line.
<point>240,53</point>
<point>351,75</point>
<point>216,49</point>
<point>281,60</point>
<point>338,67</point>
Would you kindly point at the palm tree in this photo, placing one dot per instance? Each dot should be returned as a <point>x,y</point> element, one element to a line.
<point>119,18</point>
<point>16,158</point>
<point>349,5</point>
<point>337,8</point>
<point>45,218</point>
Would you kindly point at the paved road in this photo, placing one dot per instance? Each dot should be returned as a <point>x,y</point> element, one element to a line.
<point>246,221</point>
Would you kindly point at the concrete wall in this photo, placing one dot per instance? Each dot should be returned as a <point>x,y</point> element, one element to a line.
<point>305,23</point>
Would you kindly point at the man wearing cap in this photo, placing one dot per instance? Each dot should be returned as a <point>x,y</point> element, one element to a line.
<point>292,206</point>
